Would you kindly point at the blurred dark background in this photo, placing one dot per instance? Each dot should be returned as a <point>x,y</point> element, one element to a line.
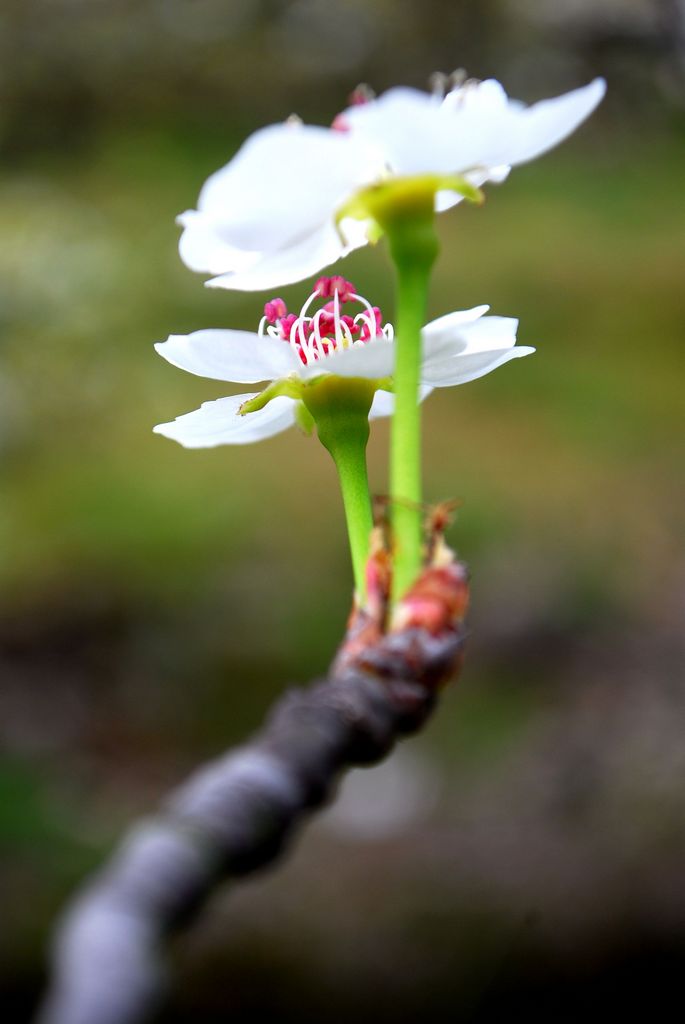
<point>525,854</point>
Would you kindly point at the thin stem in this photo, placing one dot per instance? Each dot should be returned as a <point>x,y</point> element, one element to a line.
<point>340,409</point>
<point>350,461</point>
<point>413,247</point>
<point>403,208</point>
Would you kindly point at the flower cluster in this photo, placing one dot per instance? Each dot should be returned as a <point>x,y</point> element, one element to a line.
<point>295,199</point>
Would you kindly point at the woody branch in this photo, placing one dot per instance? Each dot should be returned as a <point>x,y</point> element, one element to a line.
<point>236,814</point>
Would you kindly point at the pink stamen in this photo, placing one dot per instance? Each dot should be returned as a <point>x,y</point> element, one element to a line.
<point>350,323</point>
<point>315,335</point>
<point>285,325</point>
<point>329,287</point>
<point>274,310</point>
<point>361,95</point>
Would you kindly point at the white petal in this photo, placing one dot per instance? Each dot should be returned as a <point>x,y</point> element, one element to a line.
<point>384,402</point>
<point>239,356</point>
<point>463,368</point>
<point>283,183</point>
<point>373,360</point>
<point>506,132</point>
<point>485,99</point>
<point>486,334</point>
<point>410,128</point>
<point>202,249</point>
<point>490,333</point>
<point>456,335</point>
<point>496,174</point>
<point>446,200</point>
<point>456,318</point>
<point>420,134</point>
<point>477,131</point>
<point>547,123</point>
<point>286,266</point>
<point>218,422</point>
<point>447,335</point>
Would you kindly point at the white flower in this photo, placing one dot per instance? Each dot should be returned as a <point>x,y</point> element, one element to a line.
<point>269,216</point>
<point>291,351</point>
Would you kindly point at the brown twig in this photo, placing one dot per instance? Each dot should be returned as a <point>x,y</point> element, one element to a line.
<point>236,814</point>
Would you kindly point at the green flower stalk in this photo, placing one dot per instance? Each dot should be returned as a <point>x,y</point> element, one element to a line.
<point>340,408</point>
<point>414,248</point>
<point>404,210</point>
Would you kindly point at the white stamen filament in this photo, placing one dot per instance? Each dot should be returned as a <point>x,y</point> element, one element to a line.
<point>293,345</point>
<point>348,336</point>
<point>307,348</point>
<point>369,322</point>
<point>316,333</point>
<point>316,322</point>
<point>298,327</point>
<point>365,303</point>
<point>315,295</point>
<point>336,321</point>
<point>438,83</point>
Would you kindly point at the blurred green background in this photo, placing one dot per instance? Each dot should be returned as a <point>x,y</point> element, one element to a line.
<point>525,854</point>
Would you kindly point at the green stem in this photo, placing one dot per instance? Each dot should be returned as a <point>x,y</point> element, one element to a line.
<point>340,409</point>
<point>414,247</point>
<point>404,209</point>
<point>350,461</point>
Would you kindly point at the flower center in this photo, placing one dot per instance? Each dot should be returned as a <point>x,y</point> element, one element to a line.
<point>317,333</point>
